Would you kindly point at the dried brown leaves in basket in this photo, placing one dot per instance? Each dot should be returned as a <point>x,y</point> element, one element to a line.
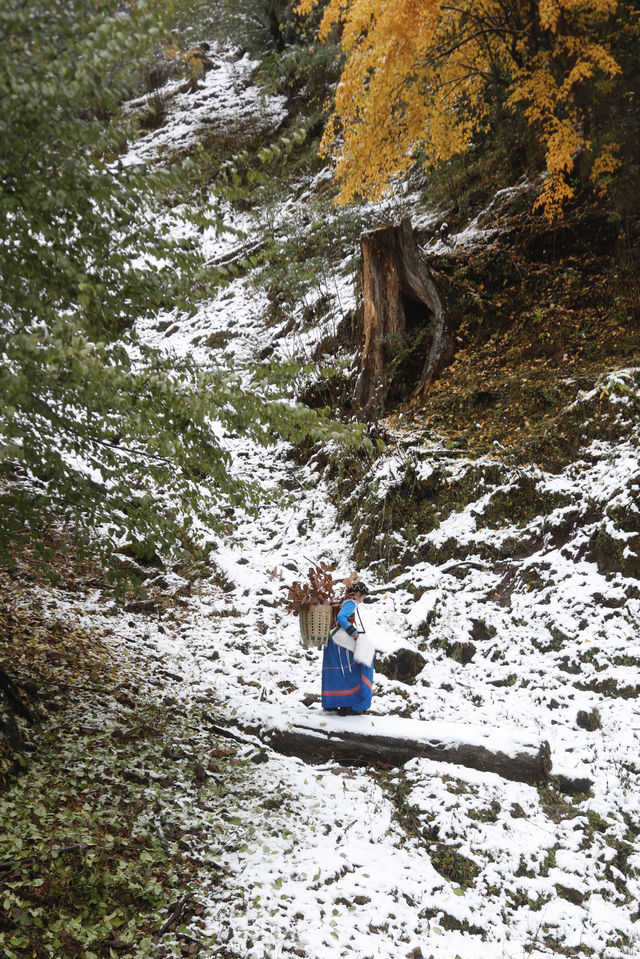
<point>319,588</point>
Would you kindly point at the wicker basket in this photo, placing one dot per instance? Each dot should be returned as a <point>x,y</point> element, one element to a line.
<point>315,625</point>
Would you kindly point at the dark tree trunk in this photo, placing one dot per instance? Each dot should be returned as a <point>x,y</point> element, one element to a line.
<point>13,697</point>
<point>12,704</point>
<point>400,298</point>
<point>362,741</point>
<point>530,765</point>
<point>275,30</point>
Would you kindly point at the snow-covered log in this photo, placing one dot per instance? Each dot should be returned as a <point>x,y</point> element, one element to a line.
<point>392,741</point>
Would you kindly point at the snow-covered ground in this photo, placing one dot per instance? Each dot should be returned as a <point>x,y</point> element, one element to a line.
<point>224,96</point>
<point>428,860</point>
<point>339,860</point>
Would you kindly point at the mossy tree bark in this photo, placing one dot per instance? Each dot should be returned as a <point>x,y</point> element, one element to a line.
<point>400,300</point>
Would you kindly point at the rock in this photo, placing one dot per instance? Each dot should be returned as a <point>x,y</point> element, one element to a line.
<point>589,721</point>
<point>125,700</point>
<point>134,557</point>
<point>143,606</point>
<point>169,675</point>
<point>573,787</point>
<point>169,584</point>
<point>480,632</point>
<point>141,778</point>
<point>463,653</point>
<point>571,895</point>
<point>402,665</point>
<point>611,602</point>
<point>129,565</point>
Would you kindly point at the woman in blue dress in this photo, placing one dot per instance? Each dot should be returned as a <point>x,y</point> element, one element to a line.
<point>347,685</point>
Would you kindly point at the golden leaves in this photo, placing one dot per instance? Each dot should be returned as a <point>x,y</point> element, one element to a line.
<point>606,165</point>
<point>421,77</point>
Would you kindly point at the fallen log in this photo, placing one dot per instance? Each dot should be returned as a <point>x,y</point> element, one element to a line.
<point>237,255</point>
<point>392,741</point>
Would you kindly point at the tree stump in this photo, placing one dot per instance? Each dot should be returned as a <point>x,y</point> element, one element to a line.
<point>400,302</point>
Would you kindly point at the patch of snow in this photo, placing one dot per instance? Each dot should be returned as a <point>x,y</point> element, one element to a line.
<point>225,96</point>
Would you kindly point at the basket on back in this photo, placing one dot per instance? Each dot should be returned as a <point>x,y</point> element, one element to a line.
<point>316,601</point>
<point>315,624</point>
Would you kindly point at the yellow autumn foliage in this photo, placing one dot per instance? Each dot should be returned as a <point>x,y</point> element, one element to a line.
<point>423,77</point>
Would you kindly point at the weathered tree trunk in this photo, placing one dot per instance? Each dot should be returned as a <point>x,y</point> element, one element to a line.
<point>399,297</point>
<point>392,741</point>
<point>530,764</point>
<point>12,704</point>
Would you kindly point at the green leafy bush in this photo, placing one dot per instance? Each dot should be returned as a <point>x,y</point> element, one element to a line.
<point>109,436</point>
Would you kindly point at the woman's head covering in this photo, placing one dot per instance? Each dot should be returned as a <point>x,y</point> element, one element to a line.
<point>357,588</point>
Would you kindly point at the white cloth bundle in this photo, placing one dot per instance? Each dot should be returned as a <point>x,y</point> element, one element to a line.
<point>364,650</point>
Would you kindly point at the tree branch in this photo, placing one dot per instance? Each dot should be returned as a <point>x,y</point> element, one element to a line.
<point>69,427</point>
<point>176,914</point>
<point>9,864</point>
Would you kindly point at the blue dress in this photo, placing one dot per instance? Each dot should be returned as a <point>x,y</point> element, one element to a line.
<point>345,682</point>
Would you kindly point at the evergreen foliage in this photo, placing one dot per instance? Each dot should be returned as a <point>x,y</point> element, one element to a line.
<point>109,434</point>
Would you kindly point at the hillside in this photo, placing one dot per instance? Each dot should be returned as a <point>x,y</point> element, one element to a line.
<point>496,523</point>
